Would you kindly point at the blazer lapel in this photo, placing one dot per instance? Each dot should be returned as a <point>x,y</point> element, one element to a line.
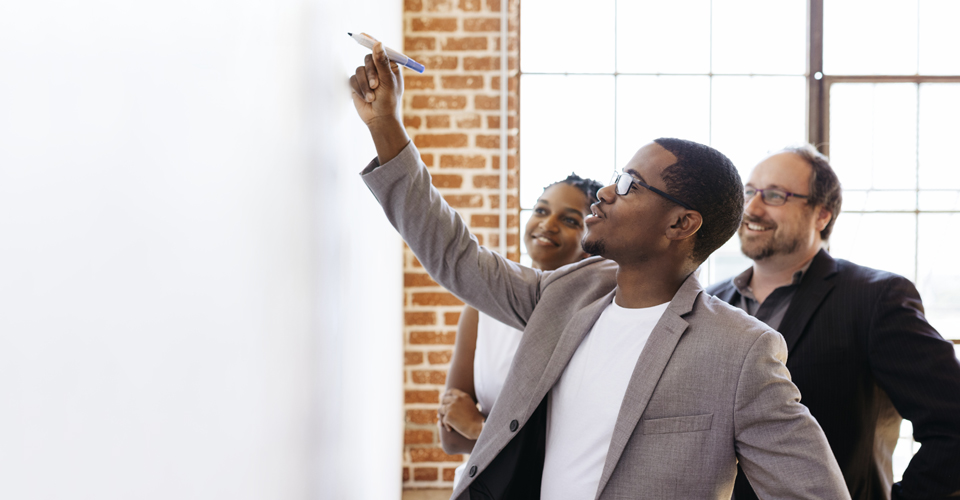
<point>650,365</point>
<point>570,339</point>
<point>814,288</point>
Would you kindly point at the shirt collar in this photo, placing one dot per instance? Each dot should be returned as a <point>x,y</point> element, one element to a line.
<point>742,280</point>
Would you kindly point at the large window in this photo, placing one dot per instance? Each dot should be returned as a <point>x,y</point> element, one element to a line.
<point>875,84</point>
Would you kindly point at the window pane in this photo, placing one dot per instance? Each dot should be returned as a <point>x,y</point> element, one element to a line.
<point>870,37</point>
<point>939,37</point>
<point>649,107</point>
<point>939,276</point>
<point>873,130</point>
<point>663,37</point>
<point>567,127</point>
<point>939,130</point>
<point>549,44</point>
<point>756,115</point>
<point>904,200</point>
<point>938,200</point>
<point>880,241</point>
<point>760,36</point>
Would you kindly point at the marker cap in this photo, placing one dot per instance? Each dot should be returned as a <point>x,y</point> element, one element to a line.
<point>414,65</point>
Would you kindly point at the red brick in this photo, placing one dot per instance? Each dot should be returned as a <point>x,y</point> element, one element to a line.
<point>440,140</point>
<point>436,377</point>
<point>493,121</point>
<point>412,358</point>
<point>451,318</point>
<point>416,263</point>
<point>511,162</point>
<point>421,396</point>
<point>490,220</point>
<point>438,121</point>
<point>487,63</point>
<point>462,81</point>
<point>513,240</point>
<point>415,82</point>
<point>438,5</point>
<point>432,455</point>
<point>428,159</point>
<point>425,474</point>
<point>470,5</point>
<point>464,43</point>
<point>417,318</point>
<point>449,474</point>
<point>422,416</point>
<point>461,161</point>
<point>418,279</point>
<point>419,43</point>
<point>464,200</point>
<point>492,102</point>
<point>512,83</point>
<point>494,6</point>
<point>436,338</point>
<point>436,299</point>
<point>479,238</point>
<point>412,5</point>
<point>447,180</point>
<point>493,181</point>
<point>512,203</point>
<point>433,62</point>
<point>411,121</point>
<point>406,474</point>
<point>482,24</point>
<point>413,436</point>
<point>439,357</point>
<point>469,121</point>
<point>439,102</point>
<point>493,141</point>
<point>512,46</point>
<point>434,24</point>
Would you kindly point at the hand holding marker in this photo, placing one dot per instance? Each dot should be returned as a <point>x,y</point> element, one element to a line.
<point>369,41</point>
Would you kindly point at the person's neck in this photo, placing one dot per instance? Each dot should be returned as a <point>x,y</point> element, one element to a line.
<point>648,284</point>
<point>777,271</point>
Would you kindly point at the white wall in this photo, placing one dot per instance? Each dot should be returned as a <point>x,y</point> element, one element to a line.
<point>198,297</point>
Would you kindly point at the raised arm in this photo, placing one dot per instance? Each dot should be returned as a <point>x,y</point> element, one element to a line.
<point>437,235</point>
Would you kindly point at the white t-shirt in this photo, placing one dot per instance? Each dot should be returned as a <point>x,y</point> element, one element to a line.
<point>585,401</point>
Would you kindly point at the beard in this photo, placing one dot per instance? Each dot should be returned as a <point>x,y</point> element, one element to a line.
<point>592,247</point>
<point>777,244</point>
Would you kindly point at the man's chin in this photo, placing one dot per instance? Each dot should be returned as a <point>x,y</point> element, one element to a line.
<point>592,247</point>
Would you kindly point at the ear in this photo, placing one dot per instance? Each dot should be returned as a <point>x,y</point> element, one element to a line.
<point>685,225</point>
<point>823,218</point>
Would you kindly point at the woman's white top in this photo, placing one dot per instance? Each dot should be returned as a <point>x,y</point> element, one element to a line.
<point>496,345</point>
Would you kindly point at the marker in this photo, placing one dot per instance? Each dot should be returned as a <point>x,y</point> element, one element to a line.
<point>369,41</point>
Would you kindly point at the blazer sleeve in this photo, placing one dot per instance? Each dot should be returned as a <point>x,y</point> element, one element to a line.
<point>920,373</point>
<point>779,444</point>
<point>441,241</point>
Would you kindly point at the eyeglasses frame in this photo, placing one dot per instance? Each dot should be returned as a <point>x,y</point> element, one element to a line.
<point>634,180</point>
<point>764,199</point>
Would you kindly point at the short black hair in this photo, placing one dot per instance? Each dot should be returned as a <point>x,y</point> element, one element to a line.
<point>710,183</point>
<point>825,187</point>
<point>589,187</point>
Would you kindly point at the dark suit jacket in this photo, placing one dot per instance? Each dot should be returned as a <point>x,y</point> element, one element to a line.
<point>862,354</point>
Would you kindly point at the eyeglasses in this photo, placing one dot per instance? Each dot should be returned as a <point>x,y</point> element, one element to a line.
<point>772,197</point>
<point>624,181</point>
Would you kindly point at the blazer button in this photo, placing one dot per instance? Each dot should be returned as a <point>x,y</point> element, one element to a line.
<point>514,425</point>
<point>473,471</point>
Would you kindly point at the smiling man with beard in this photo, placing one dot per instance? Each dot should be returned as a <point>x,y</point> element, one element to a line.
<point>861,351</point>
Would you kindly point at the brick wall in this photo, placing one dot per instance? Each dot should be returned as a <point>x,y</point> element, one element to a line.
<point>452,112</point>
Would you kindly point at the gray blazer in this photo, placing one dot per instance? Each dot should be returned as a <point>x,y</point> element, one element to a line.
<point>710,387</point>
